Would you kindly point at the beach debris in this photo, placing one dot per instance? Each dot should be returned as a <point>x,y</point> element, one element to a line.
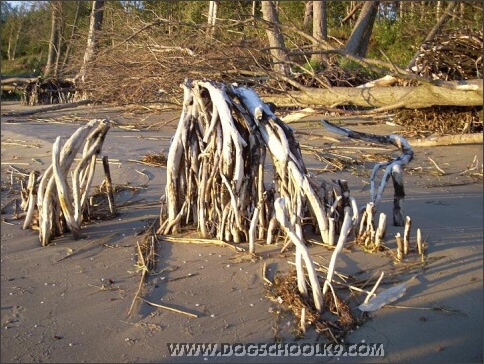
<point>219,181</point>
<point>398,238</point>
<point>216,170</point>
<point>48,91</point>
<point>393,168</point>
<point>60,205</point>
<point>385,297</point>
<point>154,159</point>
<point>146,261</point>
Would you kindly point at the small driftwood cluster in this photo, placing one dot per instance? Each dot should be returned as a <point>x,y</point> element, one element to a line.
<point>61,204</point>
<point>393,169</point>
<point>48,91</point>
<point>369,235</point>
<point>218,178</point>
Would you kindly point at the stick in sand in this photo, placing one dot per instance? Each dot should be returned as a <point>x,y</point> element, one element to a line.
<point>406,235</point>
<point>109,185</point>
<point>399,246</point>
<point>169,308</point>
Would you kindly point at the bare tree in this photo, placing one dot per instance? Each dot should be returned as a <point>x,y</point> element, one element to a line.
<point>55,39</point>
<point>320,28</point>
<point>275,37</point>
<point>357,44</point>
<point>308,14</point>
<point>95,26</point>
<point>72,36</point>
<point>212,17</point>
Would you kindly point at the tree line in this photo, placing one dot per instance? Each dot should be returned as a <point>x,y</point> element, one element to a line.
<point>53,35</point>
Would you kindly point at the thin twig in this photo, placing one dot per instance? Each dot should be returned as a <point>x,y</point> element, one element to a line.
<point>436,166</point>
<point>170,308</point>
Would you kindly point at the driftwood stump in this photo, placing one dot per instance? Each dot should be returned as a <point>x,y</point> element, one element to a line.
<point>218,177</point>
<point>61,200</point>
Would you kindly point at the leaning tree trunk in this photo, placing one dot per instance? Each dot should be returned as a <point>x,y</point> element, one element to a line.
<point>95,25</point>
<point>360,36</point>
<point>275,38</point>
<point>52,56</point>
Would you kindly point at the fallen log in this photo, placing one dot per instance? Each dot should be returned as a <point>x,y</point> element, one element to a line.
<point>17,81</point>
<point>451,93</point>
<point>47,108</point>
<point>474,138</point>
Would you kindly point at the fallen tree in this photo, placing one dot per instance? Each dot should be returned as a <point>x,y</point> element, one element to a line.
<point>452,93</point>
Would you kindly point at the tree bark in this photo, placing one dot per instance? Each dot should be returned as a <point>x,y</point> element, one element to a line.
<point>276,38</point>
<point>422,96</point>
<point>308,14</point>
<point>320,28</point>
<point>52,56</point>
<point>212,18</point>
<point>71,38</point>
<point>92,38</point>
<point>360,36</point>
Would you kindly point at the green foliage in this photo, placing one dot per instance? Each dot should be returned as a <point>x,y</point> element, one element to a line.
<point>291,11</point>
<point>397,35</point>
<point>390,38</point>
<point>23,66</point>
<point>313,66</point>
<point>11,96</point>
<point>195,12</point>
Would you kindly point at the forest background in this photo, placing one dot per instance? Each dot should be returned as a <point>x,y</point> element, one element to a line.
<point>141,51</point>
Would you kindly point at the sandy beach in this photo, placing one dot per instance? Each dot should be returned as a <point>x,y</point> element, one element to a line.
<point>68,302</point>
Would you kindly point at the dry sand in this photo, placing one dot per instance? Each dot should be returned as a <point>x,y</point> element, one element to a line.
<point>68,302</point>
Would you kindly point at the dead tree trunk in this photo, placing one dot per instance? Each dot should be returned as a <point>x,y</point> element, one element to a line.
<point>276,38</point>
<point>95,25</point>
<point>360,36</point>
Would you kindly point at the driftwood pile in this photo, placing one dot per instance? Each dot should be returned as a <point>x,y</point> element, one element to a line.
<point>61,205</point>
<point>217,178</point>
<point>48,91</point>
<point>216,169</point>
<point>454,56</point>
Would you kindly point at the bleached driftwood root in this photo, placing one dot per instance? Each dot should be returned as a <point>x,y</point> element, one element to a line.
<point>339,247</point>
<point>393,169</point>
<point>60,206</point>
<point>216,169</point>
<point>217,178</point>
<point>28,202</point>
<point>302,252</point>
